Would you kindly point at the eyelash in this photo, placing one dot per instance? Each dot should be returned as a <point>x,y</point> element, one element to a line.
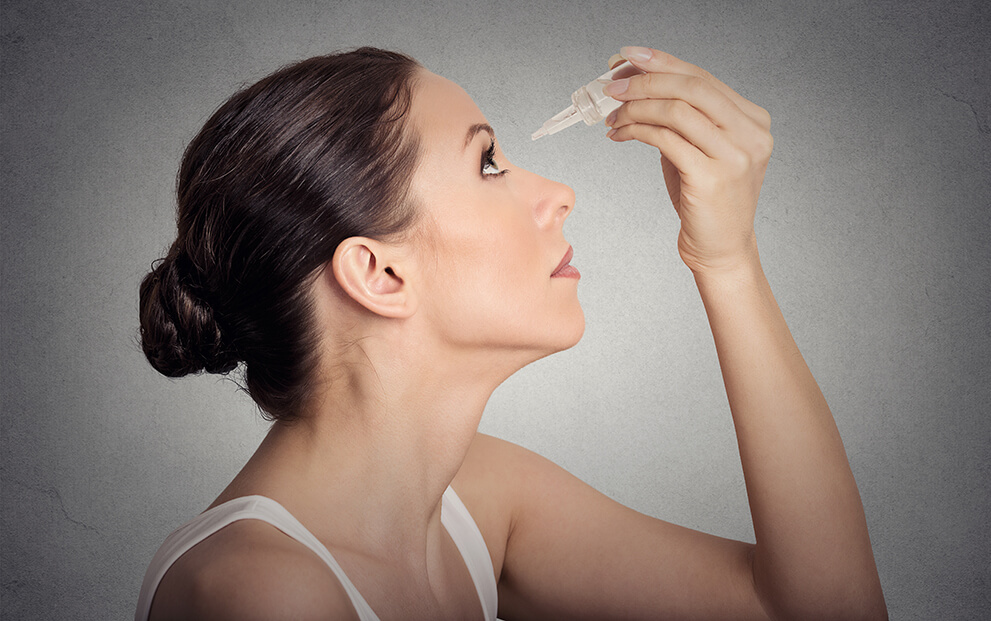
<point>488,159</point>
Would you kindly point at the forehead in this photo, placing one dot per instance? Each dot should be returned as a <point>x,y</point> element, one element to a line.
<point>442,112</point>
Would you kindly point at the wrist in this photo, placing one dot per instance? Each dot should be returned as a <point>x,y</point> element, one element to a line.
<point>741,265</point>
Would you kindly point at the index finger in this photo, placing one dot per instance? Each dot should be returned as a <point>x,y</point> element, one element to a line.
<point>656,61</point>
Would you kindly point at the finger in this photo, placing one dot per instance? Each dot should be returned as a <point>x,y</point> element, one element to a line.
<point>616,59</point>
<point>684,155</point>
<point>679,116</point>
<point>656,61</point>
<point>699,93</point>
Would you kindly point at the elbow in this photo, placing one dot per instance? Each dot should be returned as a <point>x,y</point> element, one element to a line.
<point>818,594</point>
<point>835,605</point>
<point>870,606</point>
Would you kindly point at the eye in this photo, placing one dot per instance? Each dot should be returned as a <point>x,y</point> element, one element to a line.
<point>489,166</point>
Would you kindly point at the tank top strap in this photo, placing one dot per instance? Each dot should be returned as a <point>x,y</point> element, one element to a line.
<point>457,520</point>
<point>454,516</point>
<point>244,508</point>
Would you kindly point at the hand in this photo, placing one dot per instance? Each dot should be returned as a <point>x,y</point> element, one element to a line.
<point>714,147</point>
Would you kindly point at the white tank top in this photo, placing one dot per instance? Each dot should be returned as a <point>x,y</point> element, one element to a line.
<point>453,515</point>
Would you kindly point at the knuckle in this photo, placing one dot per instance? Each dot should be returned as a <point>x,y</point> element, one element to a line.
<point>650,111</point>
<point>767,145</point>
<point>742,161</point>
<point>662,137</point>
<point>696,85</point>
<point>764,117</point>
<point>664,134</point>
<point>727,106</point>
<point>648,81</point>
<point>704,76</point>
<point>633,130</point>
<point>680,110</point>
<point>627,112</point>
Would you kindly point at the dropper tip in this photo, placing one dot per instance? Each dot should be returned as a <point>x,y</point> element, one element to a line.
<point>540,133</point>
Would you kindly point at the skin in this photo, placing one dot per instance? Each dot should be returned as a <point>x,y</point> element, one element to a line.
<point>418,332</point>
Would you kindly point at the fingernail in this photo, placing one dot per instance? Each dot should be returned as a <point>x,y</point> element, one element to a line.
<point>611,118</point>
<point>639,54</point>
<point>615,59</point>
<point>617,87</point>
<point>609,134</point>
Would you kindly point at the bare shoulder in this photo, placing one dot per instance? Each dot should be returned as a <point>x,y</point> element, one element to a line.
<point>491,472</point>
<point>524,482</point>
<point>496,480</point>
<point>250,570</point>
<point>494,461</point>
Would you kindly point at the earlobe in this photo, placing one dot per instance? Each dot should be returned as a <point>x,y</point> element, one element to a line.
<point>371,273</point>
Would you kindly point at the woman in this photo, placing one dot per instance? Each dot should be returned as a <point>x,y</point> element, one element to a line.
<point>350,232</point>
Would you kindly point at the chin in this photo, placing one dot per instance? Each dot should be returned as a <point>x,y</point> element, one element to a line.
<point>546,340</point>
<point>568,334</point>
<point>578,331</point>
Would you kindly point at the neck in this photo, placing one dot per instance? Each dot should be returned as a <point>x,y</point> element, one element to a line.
<point>388,435</point>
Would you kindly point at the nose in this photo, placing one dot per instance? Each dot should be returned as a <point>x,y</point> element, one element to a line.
<point>555,202</point>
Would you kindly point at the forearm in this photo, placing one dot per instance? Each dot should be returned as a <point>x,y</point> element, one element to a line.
<point>813,556</point>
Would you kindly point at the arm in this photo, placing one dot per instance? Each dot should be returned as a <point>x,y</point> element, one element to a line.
<point>813,557</point>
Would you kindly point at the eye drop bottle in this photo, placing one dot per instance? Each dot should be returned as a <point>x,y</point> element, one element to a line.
<point>589,103</point>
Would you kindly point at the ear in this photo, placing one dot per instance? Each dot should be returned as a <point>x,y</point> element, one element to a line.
<point>372,273</point>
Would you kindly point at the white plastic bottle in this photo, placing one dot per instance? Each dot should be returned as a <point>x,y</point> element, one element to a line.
<point>589,103</point>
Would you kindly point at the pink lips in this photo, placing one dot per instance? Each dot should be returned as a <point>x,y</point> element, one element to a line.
<point>564,269</point>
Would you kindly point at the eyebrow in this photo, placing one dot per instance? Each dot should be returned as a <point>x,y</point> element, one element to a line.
<point>474,129</point>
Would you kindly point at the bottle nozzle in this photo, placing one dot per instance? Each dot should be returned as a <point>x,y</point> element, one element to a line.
<point>565,118</point>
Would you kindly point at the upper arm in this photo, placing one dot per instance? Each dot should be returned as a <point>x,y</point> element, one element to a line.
<point>250,571</point>
<point>572,552</point>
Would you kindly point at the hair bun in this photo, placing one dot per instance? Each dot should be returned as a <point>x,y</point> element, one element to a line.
<point>179,333</point>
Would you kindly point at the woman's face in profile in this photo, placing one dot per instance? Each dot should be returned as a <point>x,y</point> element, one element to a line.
<point>491,233</point>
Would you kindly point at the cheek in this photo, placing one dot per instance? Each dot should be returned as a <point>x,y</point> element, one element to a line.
<point>491,236</point>
<point>488,275</point>
<point>495,261</point>
<point>507,253</point>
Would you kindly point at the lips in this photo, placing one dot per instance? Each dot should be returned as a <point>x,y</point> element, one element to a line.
<point>564,269</point>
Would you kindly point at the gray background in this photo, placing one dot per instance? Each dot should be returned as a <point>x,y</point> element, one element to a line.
<point>874,229</point>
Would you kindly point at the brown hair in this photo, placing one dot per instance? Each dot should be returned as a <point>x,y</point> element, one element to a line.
<point>282,172</point>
